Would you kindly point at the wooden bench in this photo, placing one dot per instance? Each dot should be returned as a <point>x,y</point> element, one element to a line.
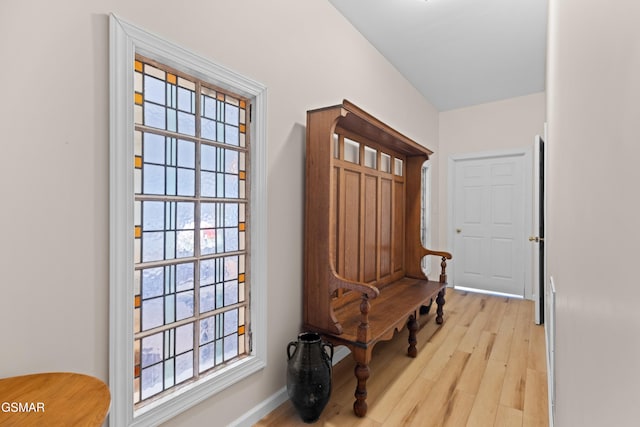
<point>363,276</point>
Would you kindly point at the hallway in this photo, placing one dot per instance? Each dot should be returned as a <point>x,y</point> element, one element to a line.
<point>485,366</point>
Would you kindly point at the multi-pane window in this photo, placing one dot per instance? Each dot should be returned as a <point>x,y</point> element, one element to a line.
<point>190,301</point>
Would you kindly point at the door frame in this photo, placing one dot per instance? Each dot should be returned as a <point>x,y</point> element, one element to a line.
<point>539,250</point>
<point>527,155</point>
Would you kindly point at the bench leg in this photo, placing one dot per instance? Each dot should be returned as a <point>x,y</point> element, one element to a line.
<point>362,374</point>
<point>413,326</point>
<point>440,302</point>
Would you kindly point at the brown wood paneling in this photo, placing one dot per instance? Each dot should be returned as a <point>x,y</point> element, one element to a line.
<point>385,228</point>
<point>370,227</point>
<point>398,226</point>
<point>351,221</point>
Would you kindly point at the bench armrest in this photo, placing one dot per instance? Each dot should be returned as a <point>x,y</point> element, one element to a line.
<point>443,264</point>
<point>367,291</point>
<point>337,282</point>
<point>442,254</point>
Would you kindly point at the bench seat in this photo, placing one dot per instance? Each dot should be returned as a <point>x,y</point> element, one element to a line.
<point>390,311</point>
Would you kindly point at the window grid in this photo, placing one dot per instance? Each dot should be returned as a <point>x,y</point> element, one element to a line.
<point>190,250</point>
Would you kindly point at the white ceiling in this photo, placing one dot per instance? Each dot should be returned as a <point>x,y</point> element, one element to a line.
<point>458,53</point>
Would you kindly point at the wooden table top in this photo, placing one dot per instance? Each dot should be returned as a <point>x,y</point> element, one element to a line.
<point>53,399</point>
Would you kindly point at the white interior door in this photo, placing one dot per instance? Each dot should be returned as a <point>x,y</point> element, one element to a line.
<point>489,214</point>
<point>537,232</point>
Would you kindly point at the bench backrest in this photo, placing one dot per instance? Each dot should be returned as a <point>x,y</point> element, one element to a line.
<point>362,206</point>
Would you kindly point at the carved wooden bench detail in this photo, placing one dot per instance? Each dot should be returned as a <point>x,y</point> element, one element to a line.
<point>363,276</point>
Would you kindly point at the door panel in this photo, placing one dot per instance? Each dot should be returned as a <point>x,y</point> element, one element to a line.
<point>489,216</point>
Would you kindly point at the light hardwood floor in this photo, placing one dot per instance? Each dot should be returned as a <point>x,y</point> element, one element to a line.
<point>485,366</point>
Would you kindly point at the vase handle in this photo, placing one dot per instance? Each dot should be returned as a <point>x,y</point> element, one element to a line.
<point>328,344</point>
<point>294,344</point>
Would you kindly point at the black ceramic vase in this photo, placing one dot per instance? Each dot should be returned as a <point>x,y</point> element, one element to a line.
<point>309,375</point>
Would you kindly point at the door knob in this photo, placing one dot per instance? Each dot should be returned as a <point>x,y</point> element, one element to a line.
<point>536,239</point>
<point>458,230</point>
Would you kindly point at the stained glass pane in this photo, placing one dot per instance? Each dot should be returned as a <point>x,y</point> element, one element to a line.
<point>184,276</point>
<point>208,129</point>
<point>231,135</point>
<point>231,161</point>
<point>207,330</point>
<point>186,123</point>
<point>230,268</point>
<point>153,179</point>
<point>208,158</point>
<point>220,132</point>
<point>170,188</point>
<point>207,353</point>
<point>152,246</point>
<point>210,239</point>
<point>170,308</point>
<point>207,298</point>
<point>169,373</point>
<point>184,305</point>
<point>169,245</point>
<point>152,350</point>
<point>151,380</point>
<point>186,182</point>
<point>154,90</point>
<point>230,322</point>
<point>230,346</point>
<point>181,173</point>
<point>231,114</point>
<point>186,154</point>
<point>185,215</point>
<point>209,274</point>
<point>152,313</point>
<point>153,148</point>
<point>186,101</point>
<point>184,338</point>
<point>231,239</point>
<point>172,95</point>
<point>152,282</point>
<point>219,296</point>
<point>151,70</point>
<point>155,115</point>
<point>208,184</point>
<point>231,186</point>
<point>208,107</point>
<point>231,292</point>
<point>136,320</point>
<point>219,349</point>
<point>231,215</point>
<point>153,213</point>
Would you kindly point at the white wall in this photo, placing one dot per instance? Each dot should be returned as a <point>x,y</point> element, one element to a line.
<point>593,91</point>
<point>502,125</point>
<point>54,161</point>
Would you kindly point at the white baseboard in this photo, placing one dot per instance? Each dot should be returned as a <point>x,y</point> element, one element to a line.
<point>259,411</point>
<point>550,334</point>
<point>268,405</point>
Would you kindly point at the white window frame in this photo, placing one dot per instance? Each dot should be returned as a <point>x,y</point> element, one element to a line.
<point>425,205</point>
<point>126,41</point>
